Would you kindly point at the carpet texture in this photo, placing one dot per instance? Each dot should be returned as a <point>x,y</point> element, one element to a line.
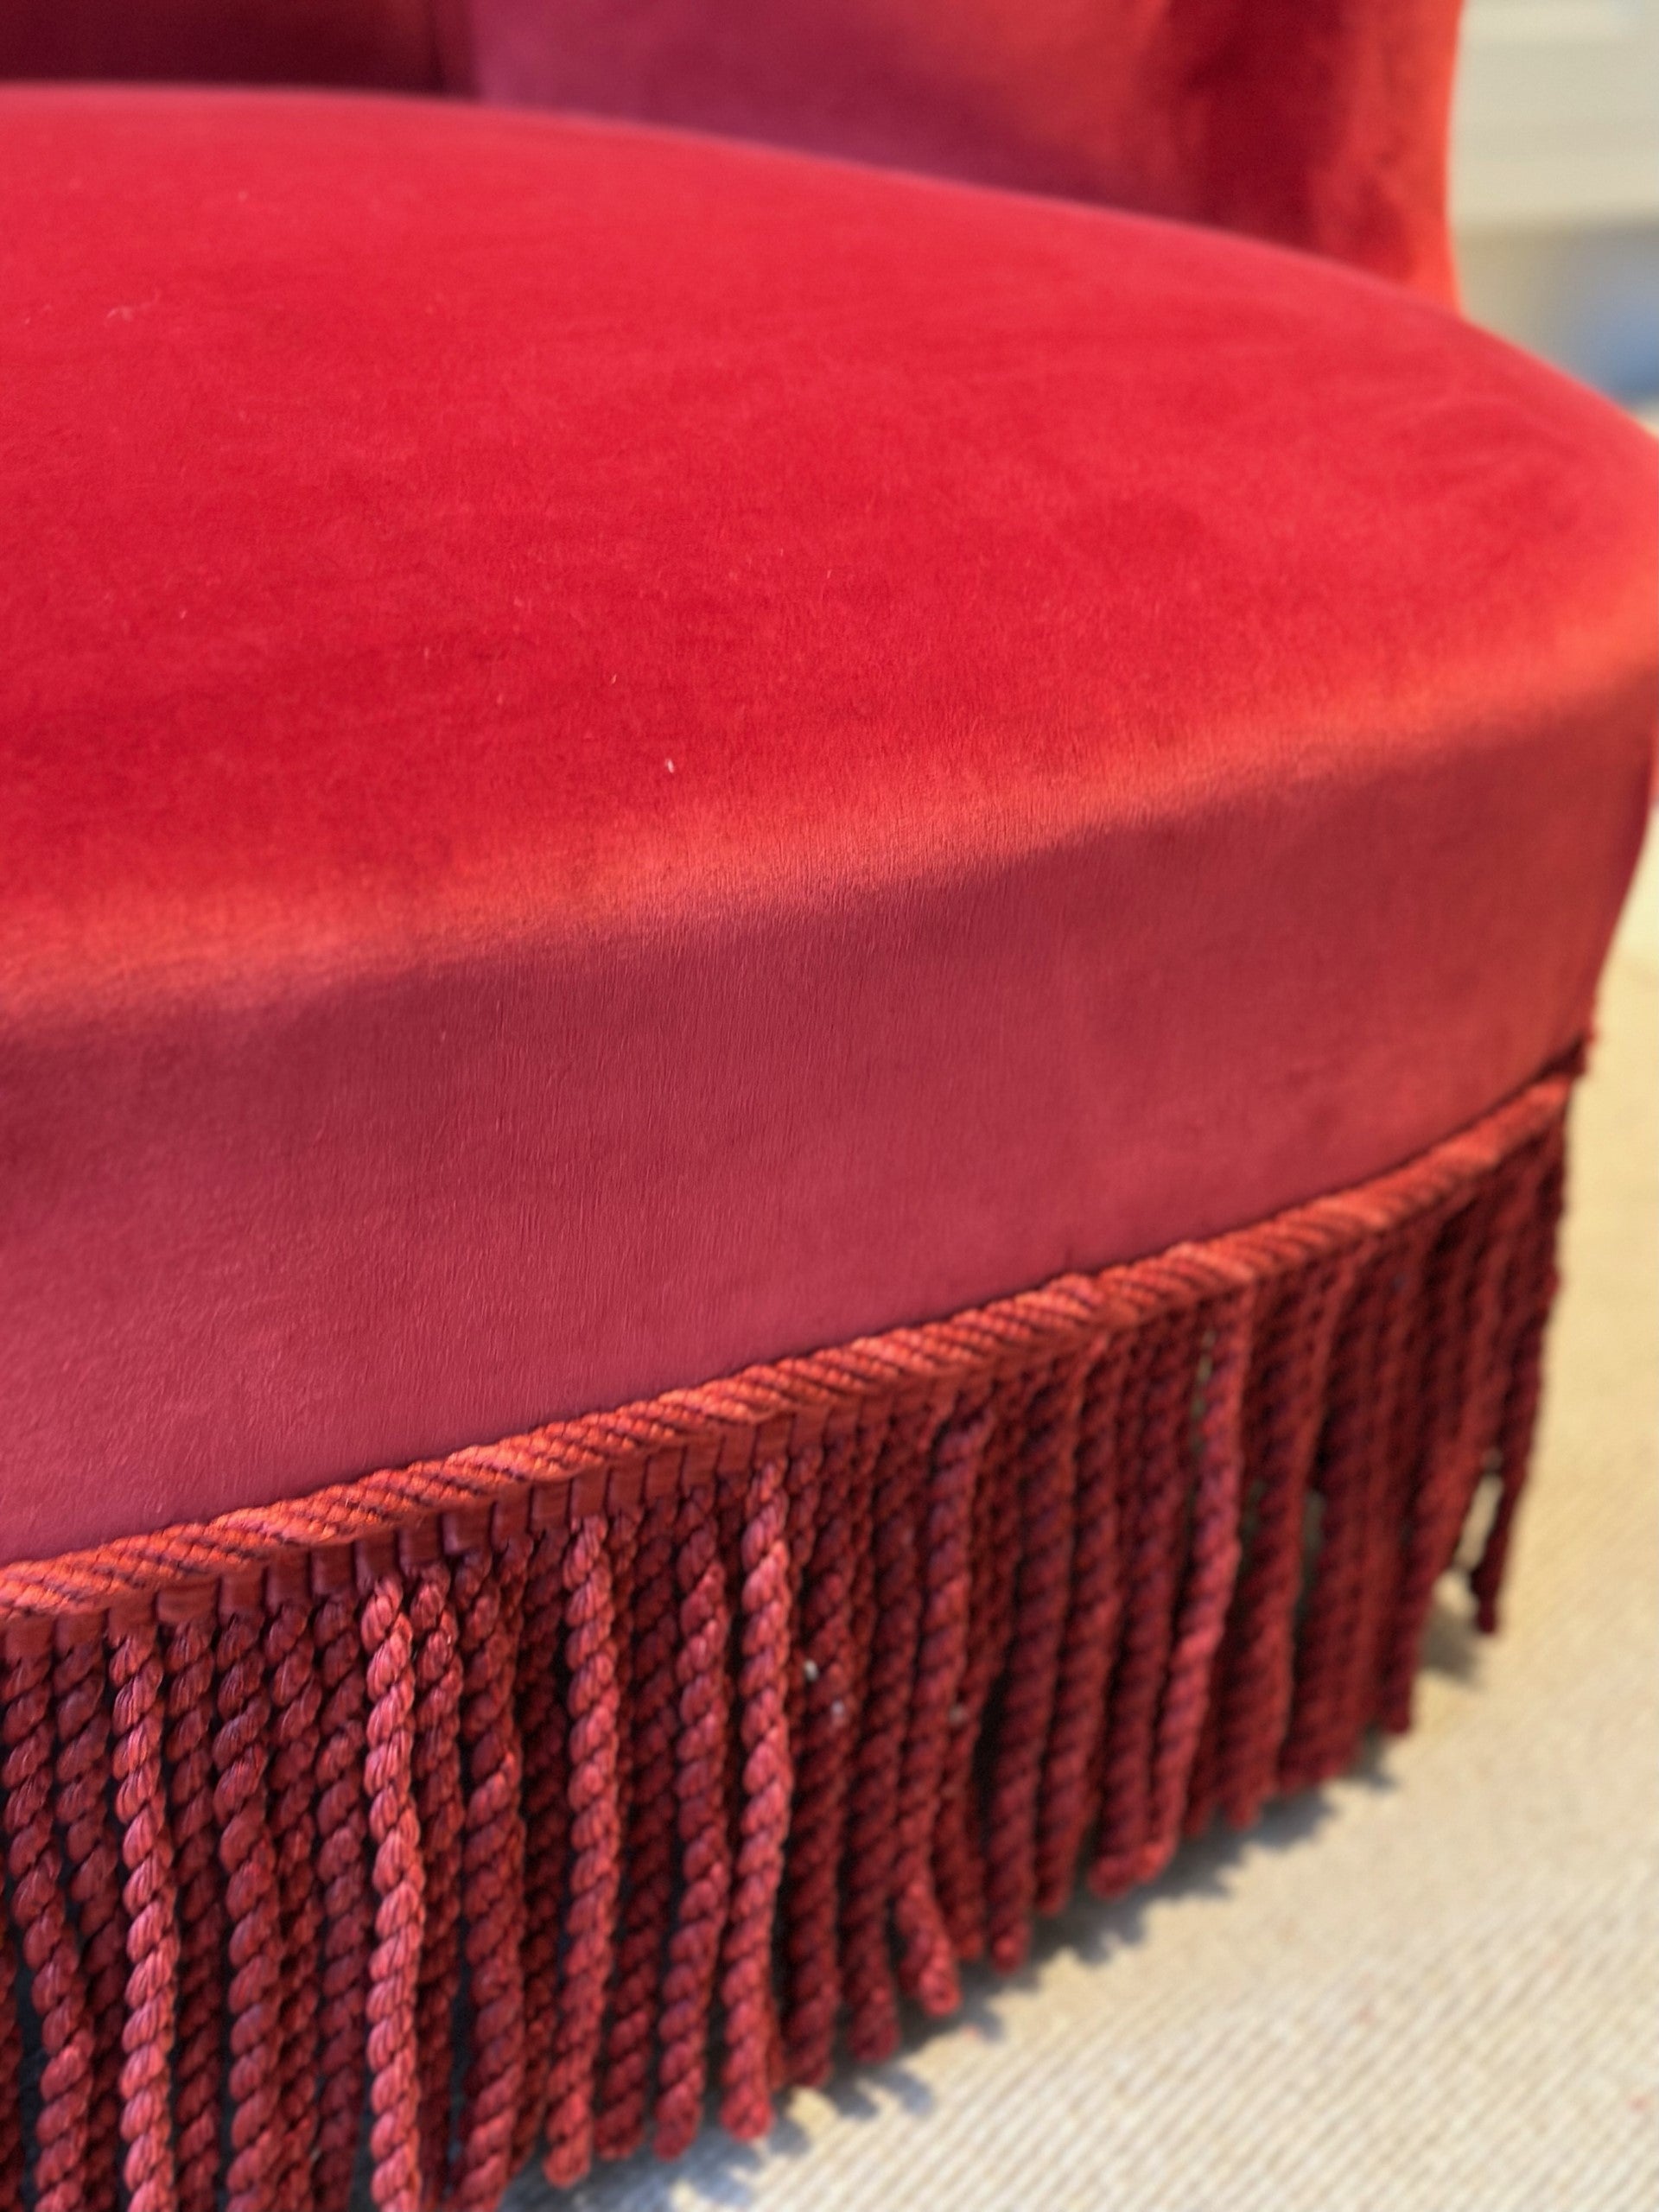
<point>1428,1988</point>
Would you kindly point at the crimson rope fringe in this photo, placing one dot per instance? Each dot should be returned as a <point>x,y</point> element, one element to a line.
<point>644,1757</point>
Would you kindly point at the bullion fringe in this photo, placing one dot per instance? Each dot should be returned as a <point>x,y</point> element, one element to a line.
<point>553,1789</point>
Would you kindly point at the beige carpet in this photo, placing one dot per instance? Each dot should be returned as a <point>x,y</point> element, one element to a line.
<point>1429,1989</point>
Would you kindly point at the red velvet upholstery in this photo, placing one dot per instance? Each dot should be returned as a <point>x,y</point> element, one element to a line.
<point>623,755</point>
<point>1318,122</point>
<point>410,44</point>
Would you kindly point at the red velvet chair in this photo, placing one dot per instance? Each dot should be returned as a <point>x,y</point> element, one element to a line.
<point>950,843</point>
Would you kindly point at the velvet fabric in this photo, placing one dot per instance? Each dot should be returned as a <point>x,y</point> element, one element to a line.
<point>1321,124</point>
<point>708,1729</point>
<point>411,45</point>
<point>623,755</point>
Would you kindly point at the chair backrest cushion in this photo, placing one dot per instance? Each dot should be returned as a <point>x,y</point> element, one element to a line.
<point>1319,123</point>
<point>398,44</point>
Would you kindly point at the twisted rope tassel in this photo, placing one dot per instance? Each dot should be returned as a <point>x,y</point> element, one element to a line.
<point>937,1609</point>
<point>705,1852</point>
<point>1403,1422</point>
<point>1447,1290</point>
<point>399,1916</point>
<point>1285,1410</point>
<point>542,1736</point>
<point>1090,1639</point>
<point>512,1557</point>
<point>728,1527</point>
<point>342,1876</point>
<point>619,2120</point>
<point>188,1666</point>
<point>11,2076</point>
<point>1530,1294</point>
<point>803,1478</point>
<point>1213,1549</point>
<point>1047,1480</point>
<point>1154,1563</point>
<point>296,1704</point>
<point>1468,1393</point>
<point>868,1866</point>
<point>93,1852</point>
<point>626,1521</point>
<point>958,1838</point>
<point>56,1986</point>
<point>626,1528</point>
<point>763,1685</point>
<point>1338,1493</point>
<point>434,1767</point>
<point>240,1811</point>
<point>151,1902</point>
<point>804,1481</point>
<point>1348,1471</point>
<point>830,1708</point>
<point>492,1851</point>
<point>927,1967</point>
<point>595,1850</point>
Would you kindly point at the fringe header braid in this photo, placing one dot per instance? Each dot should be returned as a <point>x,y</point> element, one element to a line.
<point>553,1791</point>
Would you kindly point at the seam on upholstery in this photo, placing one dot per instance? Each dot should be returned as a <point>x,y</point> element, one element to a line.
<point>665,1748</point>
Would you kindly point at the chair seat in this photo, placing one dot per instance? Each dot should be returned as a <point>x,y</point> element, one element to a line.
<point>622,756</point>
